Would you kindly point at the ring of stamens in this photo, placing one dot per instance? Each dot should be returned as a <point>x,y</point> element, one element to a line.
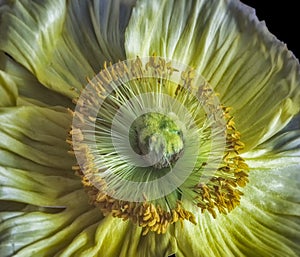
<point>220,192</point>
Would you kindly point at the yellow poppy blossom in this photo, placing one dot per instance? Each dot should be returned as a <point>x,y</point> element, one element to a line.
<point>146,128</point>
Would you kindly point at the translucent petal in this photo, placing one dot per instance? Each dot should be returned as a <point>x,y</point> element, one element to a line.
<point>267,223</point>
<point>33,138</point>
<point>8,90</point>
<point>283,148</point>
<point>293,124</point>
<point>63,43</point>
<point>29,32</point>
<point>45,234</point>
<point>24,87</point>
<point>97,37</point>
<point>55,206</point>
<point>77,231</point>
<point>223,40</point>
<point>35,188</point>
<point>113,237</point>
<point>93,236</point>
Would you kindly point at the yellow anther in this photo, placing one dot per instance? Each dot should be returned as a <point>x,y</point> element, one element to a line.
<point>152,223</point>
<point>147,217</point>
<point>174,216</point>
<point>155,227</point>
<point>145,231</point>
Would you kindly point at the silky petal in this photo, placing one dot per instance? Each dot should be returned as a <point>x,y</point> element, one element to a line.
<point>45,234</point>
<point>45,183</point>
<point>35,188</point>
<point>35,175</point>
<point>267,222</point>
<point>24,87</point>
<point>44,37</point>
<point>97,37</point>
<point>8,90</point>
<point>78,231</point>
<point>283,148</point>
<point>29,33</point>
<point>53,234</point>
<point>223,40</point>
<point>293,124</point>
<point>47,189</point>
<point>114,237</point>
<point>33,138</point>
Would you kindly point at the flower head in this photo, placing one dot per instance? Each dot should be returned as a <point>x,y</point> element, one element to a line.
<point>146,128</point>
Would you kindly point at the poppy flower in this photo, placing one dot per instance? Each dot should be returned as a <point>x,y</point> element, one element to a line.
<point>146,128</point>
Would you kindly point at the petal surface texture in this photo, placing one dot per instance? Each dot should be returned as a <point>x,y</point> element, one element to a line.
<point>247,66</point>
<point>49,48</point>
<point>267,222</point>
<point>64,42</point>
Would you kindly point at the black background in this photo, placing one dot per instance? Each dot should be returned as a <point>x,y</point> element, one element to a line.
<point>282,19</point>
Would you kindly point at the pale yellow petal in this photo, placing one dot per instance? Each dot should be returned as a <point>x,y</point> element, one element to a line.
<point>267,222</point>
<point>64,42</point>
<point>19,86</point>
<point>113,237</point>
<point>223,40</point>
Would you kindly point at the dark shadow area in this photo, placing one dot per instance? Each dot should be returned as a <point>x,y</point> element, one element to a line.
<point>282,20</point>
<point>12,206</point>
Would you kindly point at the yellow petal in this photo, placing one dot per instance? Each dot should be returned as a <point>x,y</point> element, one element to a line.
<point>282,149</point>
<point>223,40</point>
<point>39,191</point>
<point>62,43</point>
<point>19,86</point>
<point>8,90</point>
<point>267,222</point>
<point>42,233</point>
<point>50,199</point>
<point>112,237</point>
<point>33,138</point>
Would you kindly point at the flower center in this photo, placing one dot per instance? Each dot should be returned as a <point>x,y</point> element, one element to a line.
<point>157,138</point>
<point>144,115</point>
